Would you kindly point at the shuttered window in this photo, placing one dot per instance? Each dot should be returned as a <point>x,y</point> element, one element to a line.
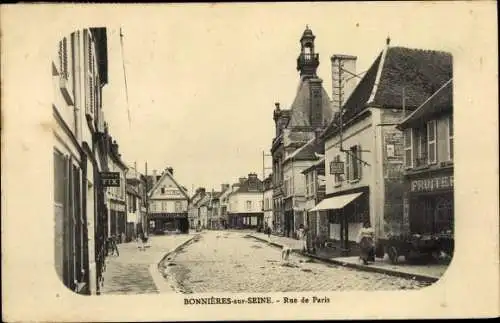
<point>431,142</point>
<point>408,148</point>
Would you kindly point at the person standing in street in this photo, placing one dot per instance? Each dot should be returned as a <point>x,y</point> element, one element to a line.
<point>301,235</point>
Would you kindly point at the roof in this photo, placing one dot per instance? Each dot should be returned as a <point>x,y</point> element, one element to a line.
<point>440,101</point>
<point>168,174</point>
<point>320,163</point>
<point>307,151</point>
<point>419,72</point>
<point>251,185</point>
<point>301,107</point>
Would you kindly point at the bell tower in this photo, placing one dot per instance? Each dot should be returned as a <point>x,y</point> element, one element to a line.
<point>308,60</point>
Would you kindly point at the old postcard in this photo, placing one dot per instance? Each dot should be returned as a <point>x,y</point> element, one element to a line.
<point>249,161</point>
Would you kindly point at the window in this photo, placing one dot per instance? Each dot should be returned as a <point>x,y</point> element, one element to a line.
<point>178,206</point>
<point>408,144</point>
<point>422,147</point>
<point>164,205</point>
<point>337,177</point>
<point>450,138</point>
<point>353,163</point>
<point>90,88</point>
<point>307,184</point>
<point>431,141</point>
<point>249,205</point>
<point>163,190</point>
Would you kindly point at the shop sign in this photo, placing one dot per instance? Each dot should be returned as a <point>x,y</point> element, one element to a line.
<point>432,184</point>
<point>110,179</point>
<point>336,167</point>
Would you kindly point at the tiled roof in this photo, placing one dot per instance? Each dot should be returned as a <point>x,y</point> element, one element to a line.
<point>301,106</point>
<point>254,185</point>
<point>440,101</point>
<point>420,72</point>
<point>319,164</point>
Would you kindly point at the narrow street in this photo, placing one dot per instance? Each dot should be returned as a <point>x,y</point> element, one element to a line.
<point>222,261</point>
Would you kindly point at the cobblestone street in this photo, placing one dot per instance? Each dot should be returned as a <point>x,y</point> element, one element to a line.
<point>224,261</point>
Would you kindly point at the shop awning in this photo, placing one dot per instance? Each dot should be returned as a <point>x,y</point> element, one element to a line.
<point>336,202</point>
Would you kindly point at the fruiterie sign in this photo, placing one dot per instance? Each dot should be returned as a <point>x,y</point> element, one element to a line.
<point>432,184</point>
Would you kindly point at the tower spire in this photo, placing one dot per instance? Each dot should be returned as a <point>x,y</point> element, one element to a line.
<point>308,60</point>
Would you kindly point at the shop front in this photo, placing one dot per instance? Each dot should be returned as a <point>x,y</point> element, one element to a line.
<point>118,220</point>
<point>346,212</point>
<point>430,210</point>
<point>161,223</point>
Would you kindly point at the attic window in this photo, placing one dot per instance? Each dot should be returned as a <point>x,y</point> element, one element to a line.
<point>163,190</point>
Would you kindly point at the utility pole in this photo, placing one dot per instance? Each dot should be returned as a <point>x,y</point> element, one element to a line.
<point>264,168</point>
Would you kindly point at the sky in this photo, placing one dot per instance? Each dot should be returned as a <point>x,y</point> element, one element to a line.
<point>202,80</point>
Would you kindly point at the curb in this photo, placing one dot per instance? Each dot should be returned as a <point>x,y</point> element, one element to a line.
<point>417,277</point>
<point>176,248</point>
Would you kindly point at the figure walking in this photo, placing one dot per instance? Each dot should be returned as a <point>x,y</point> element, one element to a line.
<point>366,243</point>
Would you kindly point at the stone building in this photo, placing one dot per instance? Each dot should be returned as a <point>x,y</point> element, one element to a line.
<point>79,72</point>
<point>311,110</point>
<point>268,201</point>
<point>363,148</point>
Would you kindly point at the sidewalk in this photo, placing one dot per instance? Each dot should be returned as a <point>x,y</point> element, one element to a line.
<point>135,271</point>
<point>429,273</point>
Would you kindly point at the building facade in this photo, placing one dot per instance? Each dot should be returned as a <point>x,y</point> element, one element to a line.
<point>168,205</point>
<point>428,167</point>
<point>245,203</point>
<point>310,111</point>
<point>79,71</point>
<point>316,221</point>
<point>117,195</point>
<point>268,202</point>
<point>363,148</point>
<point>136,203</point>
<point>194,208</point>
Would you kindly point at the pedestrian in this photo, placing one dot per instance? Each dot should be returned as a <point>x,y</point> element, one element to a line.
<point>301,235</point>
<point>366,243</point>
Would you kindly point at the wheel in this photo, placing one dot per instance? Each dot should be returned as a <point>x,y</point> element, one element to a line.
<point>393,254</point>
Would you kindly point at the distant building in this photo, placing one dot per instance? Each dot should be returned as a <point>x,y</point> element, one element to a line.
<point>194,208</point>
<point>136,203</point>
<point>224,202</point>
<point>428,166</point>
<point>245,203</point>
<point>310,111</point>
<point>168,205</point>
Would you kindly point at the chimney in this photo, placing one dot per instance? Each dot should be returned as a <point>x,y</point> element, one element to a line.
<point>252,176</point>
<point>343,79</point>
<point>224,187</point>
<point>170,170</point>
<point>242,180</point>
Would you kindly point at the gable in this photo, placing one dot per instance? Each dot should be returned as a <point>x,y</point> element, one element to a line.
<point>167,188</point>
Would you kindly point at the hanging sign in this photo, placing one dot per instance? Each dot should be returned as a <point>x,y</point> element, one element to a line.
<point>110,179</point>
<point>336,167</point>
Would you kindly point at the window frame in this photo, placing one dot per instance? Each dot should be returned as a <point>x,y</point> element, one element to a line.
<point>406,148</point>
<point>433,124</point>
<point>450,134</point>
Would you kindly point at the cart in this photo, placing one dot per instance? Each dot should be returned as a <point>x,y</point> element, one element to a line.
<point>416,247</point>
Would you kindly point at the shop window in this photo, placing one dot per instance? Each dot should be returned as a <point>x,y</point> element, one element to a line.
<point>408,148</point>
<point>431,142</point>
<point>450,138</point>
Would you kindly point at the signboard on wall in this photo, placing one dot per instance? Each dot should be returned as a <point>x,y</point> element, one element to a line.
<point>432,184</point>
<point>336,167</point>
<point>110,179</point>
